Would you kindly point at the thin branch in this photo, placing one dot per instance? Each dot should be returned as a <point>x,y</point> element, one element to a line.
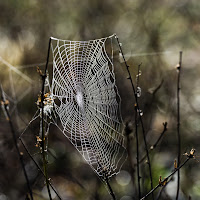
<point>137,139</point>
<point>157,141</point>
<point>153,92</point>
<point>166,179</point>
<point>178,120</point>
<point>129,136</point>
<point>147,153</point>
<point>162,189</point>
<point>157,88</point>
<point>140,117</point>
<point>20,154</point>
<point>43,142</point>
<point>109,188</point>
<point>161,135</point>
<point>38,167</point>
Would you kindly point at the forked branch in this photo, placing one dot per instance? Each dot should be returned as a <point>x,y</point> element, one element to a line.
<point>165,181</point>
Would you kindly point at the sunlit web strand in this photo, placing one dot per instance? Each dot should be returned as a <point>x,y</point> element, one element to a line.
<point>34,65</point>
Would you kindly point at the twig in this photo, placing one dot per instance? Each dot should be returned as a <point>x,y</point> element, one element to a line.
<point>38,167</point>
<point>159,195</point>
<point>42,120</point>
<point>178,120</point>
<point>147,153</point>
<point>140,117</point>
<point>157,141</point>
<point>20,154</point>
<point>161,135</point>
<point>153,92</point>
<point>157,88</point>
<point>166,179</point>
<point>128,131</point>
<point>109,188</point>
<point>137,139</point>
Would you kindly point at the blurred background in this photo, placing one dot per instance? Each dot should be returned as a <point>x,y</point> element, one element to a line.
<point>151,33</point>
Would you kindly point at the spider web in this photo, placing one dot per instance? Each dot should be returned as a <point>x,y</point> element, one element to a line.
<point>15,79</point>
<point>87,102</point>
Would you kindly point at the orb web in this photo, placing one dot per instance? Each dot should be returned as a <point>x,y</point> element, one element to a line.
<point>87,102</point>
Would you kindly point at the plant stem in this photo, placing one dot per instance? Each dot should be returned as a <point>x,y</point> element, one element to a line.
<point>147,153</point>
<point>20,154</point>
<point>110,189</point>
<point>137,139</point>
<point>178,120</point>
<point>129,145</point>
<point>162,189</point>
<point>161,135</point>
<point>137,153</point>
<point>38,167</point>
<point>140,117</point>
<point>160,184</point>
<point>157,141</point>
<point>43,128</point>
